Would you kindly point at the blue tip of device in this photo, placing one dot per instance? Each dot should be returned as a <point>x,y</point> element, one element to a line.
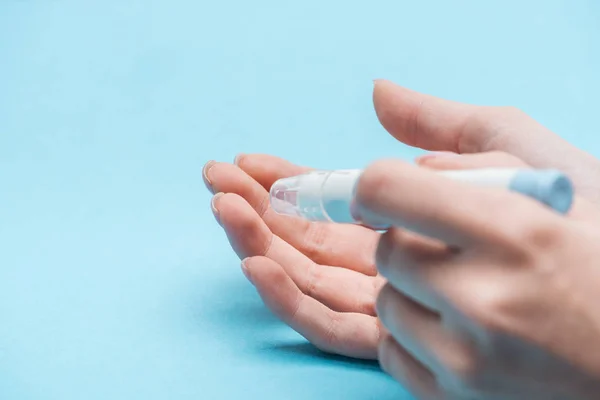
<point>550,187</point>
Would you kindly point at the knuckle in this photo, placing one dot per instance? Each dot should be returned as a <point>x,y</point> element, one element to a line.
<point>267,246</point>
<point>365,305</point>
<point>489,305</point>
<point>413,122</point>
<point>494,122</point>
<point>368,302</point>
<point>315,240</point>
<point>538,235</point>
<point>312,282</point>
<point>525,231</point>
<point>470,137</point>
<point>464,367</point>
<point>279,308</point>
<point>331,333</point>
<point>263,206</point>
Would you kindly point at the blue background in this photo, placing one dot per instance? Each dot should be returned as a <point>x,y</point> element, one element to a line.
<point>115,281</point>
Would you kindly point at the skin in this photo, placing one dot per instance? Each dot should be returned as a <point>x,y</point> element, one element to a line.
<point>478,310</point>
<point>323,281</point>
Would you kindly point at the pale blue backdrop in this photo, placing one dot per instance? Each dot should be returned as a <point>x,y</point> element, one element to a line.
<point>115,282</point>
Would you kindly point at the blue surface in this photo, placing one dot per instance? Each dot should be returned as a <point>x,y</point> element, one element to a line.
<point>115,282</point>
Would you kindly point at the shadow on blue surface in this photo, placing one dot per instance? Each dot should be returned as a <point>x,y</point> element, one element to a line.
<point>240,319</point>
<point>304,350</point>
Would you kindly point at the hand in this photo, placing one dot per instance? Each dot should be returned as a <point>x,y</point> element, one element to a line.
<point>329,269</point>
<point>490,295</point>
<point>318,278</point>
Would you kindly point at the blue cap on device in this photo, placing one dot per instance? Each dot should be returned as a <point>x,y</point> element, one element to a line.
<point>550,187</point>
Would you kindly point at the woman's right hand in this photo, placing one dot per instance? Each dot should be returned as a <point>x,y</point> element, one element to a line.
<point>321,279</point>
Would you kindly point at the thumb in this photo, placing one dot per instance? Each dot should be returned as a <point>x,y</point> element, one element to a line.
<point>431,123</point>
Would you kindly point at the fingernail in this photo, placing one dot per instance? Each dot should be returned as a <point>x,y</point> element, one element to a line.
<point>434,155</point>
<point>246,270</point>
<point>213,206</point>
<point>237,159</point>
<point>205,176</point>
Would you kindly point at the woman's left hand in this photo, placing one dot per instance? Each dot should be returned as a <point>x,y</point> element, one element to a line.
<point>489,294</point>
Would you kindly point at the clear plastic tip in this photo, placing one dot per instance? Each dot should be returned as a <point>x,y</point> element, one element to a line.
<point>316,196</point>
<point>284,196</point>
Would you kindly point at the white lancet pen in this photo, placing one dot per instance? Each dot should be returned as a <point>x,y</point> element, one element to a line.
<point>328,195</point>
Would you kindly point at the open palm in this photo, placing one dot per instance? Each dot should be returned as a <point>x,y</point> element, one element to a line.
<point>321,278</point>
<point>317,277</point>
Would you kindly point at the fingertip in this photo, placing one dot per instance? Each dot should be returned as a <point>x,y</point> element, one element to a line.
<point>266,169</point>
<point>376,178</point>
<point>265,273</point>
<point>272,280</point>
<point>246,269</point>
<point>261,268</point>
<point>387,97</point>
<point>227,200</point>
<point>205,175</point>
<point>247,232</point>
<point>275,286</point>
<point>214,205</point>
<point>380,85</point>
<point>222,177</point>
<point>237,160</point>
<point>232,210</point>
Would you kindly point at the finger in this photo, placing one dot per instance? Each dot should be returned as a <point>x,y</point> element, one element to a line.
<point>414,327</point>
<point>420,331</point>
<point>348,246</point>
<point>404,368</point>
<point>581,210</point>
<point>266,169</point>
<point>339,288</point>
<point>453,212</point>
<point>349,334</point>
<point>402,257</point>
<point>452,161</point>
<point>433,123</point>
<point>445,282</point>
